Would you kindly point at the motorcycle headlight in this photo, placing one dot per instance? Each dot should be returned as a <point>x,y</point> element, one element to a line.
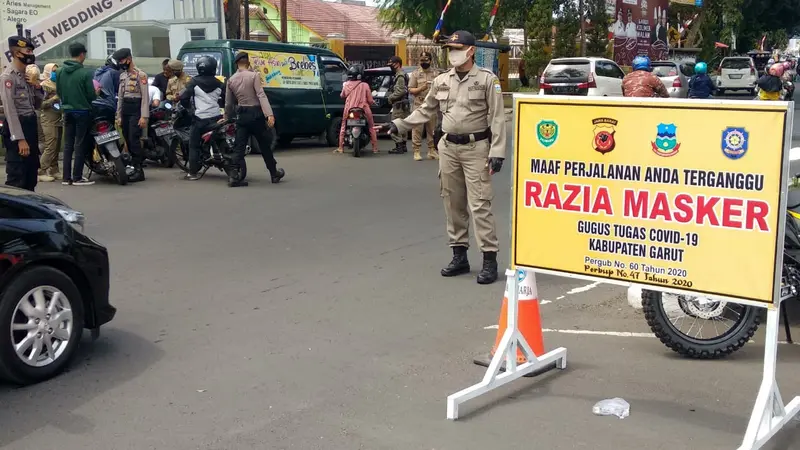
<point>75,218</point>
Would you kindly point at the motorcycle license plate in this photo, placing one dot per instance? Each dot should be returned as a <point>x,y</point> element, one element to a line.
<point>163,131</point>
<point>735,77</point>
<point>356,122</point>
<point>107,137</point>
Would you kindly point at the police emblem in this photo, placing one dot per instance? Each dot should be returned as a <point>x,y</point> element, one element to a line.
<point>734,142</point>
<point>604,134</point>
<point>547,132</point>
<point>666,143</point>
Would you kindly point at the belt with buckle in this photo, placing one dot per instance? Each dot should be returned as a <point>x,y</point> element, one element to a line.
<point>463,139</point>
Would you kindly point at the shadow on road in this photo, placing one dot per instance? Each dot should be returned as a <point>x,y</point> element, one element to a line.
<point>117,357</point>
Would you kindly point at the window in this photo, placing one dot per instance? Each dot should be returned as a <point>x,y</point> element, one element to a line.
<point>568,71</point>
<point>197,34</point>
<point>613,71</point>
<point>190,59</point>
<point>334,73</point>
<point>735,63</point>
<point>111,42</point>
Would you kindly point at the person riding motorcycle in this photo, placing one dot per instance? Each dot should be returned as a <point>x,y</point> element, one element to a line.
<point>641,82</point>
<point>358,94</point>
<point>208,94</point>
<point>700,85</point>
<point>770,84</point>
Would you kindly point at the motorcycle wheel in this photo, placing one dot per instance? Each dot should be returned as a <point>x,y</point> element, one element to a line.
<point>357,147</point>
<point>243,170</point>
<point>658,318</point>
<point>121,174</point>
<point>180,154</point>
<point>168,160</point>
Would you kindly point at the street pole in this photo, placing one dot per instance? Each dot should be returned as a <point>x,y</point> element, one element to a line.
<point>284,31</point>
<point>247,20</point>
<point>583,27</point>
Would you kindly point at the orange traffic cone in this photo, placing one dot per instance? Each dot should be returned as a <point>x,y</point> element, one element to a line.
<point>529,321</point>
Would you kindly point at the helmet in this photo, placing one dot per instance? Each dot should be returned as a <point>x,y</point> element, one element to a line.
<point>700,68</point>
<point>641,63</point>
<point>771,61</point>
<point>206,66</point>
<point>787,65</point>
<point>776,70</point>
<point>111,62</point>
<point>355,72</point>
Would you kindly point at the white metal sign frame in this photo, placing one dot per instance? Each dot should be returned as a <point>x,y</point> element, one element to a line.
<point>769,413</point>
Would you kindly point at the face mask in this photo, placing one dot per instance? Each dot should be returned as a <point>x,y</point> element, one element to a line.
<point>26,59</point>
<point>124,66</point>
<point>458,58</point>
<point>425,65</point>
<point>52,76</point>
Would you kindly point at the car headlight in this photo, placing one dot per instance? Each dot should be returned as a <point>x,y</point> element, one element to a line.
<point>75,218</point>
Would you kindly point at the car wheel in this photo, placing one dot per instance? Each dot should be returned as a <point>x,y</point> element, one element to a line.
<point>41,323</point>
<point>332,136</point>
<point>286,140</point>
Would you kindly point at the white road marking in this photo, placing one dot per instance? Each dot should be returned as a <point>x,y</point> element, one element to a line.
<point>578,290</point>
<point>560,297</point>
<point>492,327</point>
<point>601,333</point>
<point>544,302</point>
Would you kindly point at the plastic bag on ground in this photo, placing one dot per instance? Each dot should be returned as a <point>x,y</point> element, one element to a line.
<point>612,407</point>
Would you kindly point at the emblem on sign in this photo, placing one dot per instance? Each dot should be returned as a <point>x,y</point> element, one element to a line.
<point>604,134</point>
<point>547,132</point>
<point>734,142</point>
<point>666,143</point>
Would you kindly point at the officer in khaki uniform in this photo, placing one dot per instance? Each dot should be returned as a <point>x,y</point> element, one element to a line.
<point>133,109</point>
<point>178,82</point>
<point>418,85</point>
<point>471,149</point>
<point>21,131</point>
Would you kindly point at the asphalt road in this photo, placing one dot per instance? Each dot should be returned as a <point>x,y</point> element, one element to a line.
<point>311,315</point>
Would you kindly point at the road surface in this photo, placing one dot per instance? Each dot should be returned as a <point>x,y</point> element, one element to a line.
<point>311,315</point>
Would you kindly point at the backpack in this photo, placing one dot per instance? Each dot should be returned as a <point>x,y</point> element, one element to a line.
<point>394,81</point>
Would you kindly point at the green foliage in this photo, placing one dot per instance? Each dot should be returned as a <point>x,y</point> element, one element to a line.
<point>567,24</point>
<point>597,38</point>
<point>420,16</point>
<point>777,39</point>
<point>539,25</point>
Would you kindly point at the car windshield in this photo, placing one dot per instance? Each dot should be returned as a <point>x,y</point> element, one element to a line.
<point>567,71</point>
<point>190,59</point>
<point>376,82</point>
<point>736,63</point>
<point>665,70</point>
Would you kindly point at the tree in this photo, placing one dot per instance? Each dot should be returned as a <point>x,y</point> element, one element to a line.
<point>777,39</point>
<point>567,22</point>
<point>539,24</point>
<point>233,25</point>
<point>421,16</point>
<point>597,39</point>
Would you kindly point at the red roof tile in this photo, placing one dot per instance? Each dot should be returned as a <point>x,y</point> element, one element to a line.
<point>355,23</point>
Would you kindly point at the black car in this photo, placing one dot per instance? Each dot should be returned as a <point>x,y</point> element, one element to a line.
<point>380,79</point>
<point>54,282</point>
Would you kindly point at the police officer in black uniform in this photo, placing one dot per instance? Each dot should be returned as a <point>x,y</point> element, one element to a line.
<point>20,102</point>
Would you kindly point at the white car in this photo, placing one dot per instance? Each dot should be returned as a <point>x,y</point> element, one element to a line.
<point>591,76</point>
<point>737,73</point>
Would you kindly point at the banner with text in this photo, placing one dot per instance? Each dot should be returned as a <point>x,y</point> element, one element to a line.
<point>286,70</point>
<point>54,22</point>
<point>640,28</point>
<point>682,196</point>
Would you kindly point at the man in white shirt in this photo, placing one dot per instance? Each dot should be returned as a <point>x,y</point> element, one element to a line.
<point>155,95</point>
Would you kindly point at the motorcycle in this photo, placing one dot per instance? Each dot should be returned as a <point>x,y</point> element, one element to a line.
<point>356,134</point>
<point>667,313</point>
<point>107,159</point>
<point>216,145</point>
<point>156,146</point>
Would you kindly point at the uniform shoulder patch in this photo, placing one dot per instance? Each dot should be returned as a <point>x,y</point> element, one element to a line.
<point>497,87</point>
<point>9,84</point>
<point>142,78</point>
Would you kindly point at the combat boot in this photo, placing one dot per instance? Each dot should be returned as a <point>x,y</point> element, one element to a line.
<point>417,155</point>
<point>488,273</point>
<point>459,264</point>
<point>433,154</point>
<point>399,148</point>
<point>234,180</point>
<point>137,175</point>
<point>279,174</point>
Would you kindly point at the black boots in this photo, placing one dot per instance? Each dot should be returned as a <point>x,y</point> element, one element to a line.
<point>459,264</point>
<point>399,149</point>
<point>234,179</point>
<point>136,175</point>
<point>488,273</point>
<point>279,174</point>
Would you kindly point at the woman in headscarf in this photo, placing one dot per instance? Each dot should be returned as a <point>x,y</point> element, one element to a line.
<point>51,124</point>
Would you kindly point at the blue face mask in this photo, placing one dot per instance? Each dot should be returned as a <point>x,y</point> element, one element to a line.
<point>53,76</point>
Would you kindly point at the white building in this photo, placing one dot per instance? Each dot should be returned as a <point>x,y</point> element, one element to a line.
<point>153,30</point>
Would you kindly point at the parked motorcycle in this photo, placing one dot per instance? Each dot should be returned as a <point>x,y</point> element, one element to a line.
<point>156,146</point>
<point>107,158</point>
<point>356,133</point>
<point>729,326</point>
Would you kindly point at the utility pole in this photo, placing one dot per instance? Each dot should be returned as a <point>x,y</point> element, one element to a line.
<point>581,14</point>
<point>284,30</point>
<point>247,20</point>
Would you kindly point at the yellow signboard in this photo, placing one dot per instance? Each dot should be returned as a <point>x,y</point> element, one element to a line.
<point>677,195</point>
<point>286,70</point>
